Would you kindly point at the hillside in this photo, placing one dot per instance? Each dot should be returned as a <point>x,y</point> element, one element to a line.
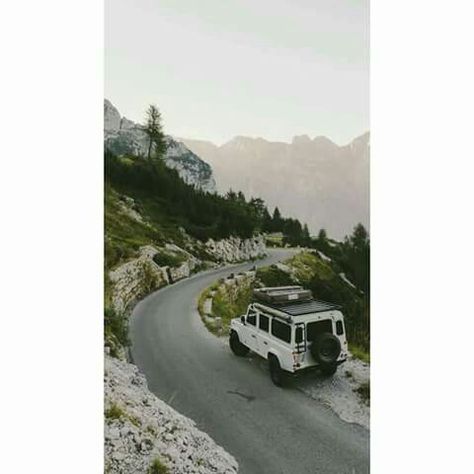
<point>312,269</point>
<point>124,137</point>
<point>314,180</point>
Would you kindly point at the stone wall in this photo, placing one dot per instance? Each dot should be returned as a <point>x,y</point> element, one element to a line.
<point>133,280</point>
<point>137,278</point>
<point>229,290</point>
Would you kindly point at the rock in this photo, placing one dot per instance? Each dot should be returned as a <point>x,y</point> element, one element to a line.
<point>207,306</point>
<point>235,249</point>
<point>118,456</point>
<point>135,279</point>
<point>113,433</point>
<point>284,268</point>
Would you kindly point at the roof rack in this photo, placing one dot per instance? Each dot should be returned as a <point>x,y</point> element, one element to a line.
<point>305,307</point>
<point>291,300</point>
<point>282,294</point>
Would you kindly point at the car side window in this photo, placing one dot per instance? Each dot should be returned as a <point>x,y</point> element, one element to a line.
<point>339,328</point>
<point>281,330</point>
<point>252,318</point>
<point>263,322</point>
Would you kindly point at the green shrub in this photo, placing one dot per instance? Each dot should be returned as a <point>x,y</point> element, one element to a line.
<point>225,305</point>
<point>360,353</point>
<point>114,412</point>
<point>273,276</point>
<point>116,329</point>
<point>157,467</point>
<point>167,259</point>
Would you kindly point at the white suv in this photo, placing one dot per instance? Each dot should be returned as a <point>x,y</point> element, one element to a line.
<point>292,330</point>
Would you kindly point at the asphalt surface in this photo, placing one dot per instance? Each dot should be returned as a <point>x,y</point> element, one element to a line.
<point>267,429</point>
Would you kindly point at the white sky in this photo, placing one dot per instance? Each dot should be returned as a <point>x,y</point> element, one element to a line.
<point>221,68</point>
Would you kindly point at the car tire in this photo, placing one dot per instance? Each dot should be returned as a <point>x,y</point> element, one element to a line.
<point>276,372</point>
<point>326,348</point>
<point>239,349</point>
<point>328,369</point>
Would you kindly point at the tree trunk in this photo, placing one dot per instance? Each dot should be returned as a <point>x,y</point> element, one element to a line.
<point>149,149</point>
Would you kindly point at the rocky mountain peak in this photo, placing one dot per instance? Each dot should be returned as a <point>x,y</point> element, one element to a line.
<point>301,140</point>
<point>123,136</point>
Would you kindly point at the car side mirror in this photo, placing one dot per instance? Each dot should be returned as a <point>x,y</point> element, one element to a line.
<point>299,335</point>
<point>242,319</point>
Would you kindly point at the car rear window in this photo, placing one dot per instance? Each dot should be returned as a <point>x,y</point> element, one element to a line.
<point>316,328</point>
<point>281,330</point>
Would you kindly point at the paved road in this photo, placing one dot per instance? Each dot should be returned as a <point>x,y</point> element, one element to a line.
<point>267,429</point>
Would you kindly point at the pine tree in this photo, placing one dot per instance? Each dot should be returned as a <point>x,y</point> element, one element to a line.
<point>154,130</point>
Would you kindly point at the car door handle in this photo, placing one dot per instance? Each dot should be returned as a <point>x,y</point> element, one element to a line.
<point>265,342</point>
<point>253,335</point>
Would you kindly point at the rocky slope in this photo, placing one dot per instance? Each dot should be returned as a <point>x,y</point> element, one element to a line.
<point>235,249</point>
<point>123,136</point>
<point>141,431</point>
<point>315,180</point>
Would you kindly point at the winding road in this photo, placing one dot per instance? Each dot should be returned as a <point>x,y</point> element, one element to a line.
<point>267,429</point>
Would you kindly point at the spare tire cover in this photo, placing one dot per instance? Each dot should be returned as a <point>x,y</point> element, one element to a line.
<point>326,348</point>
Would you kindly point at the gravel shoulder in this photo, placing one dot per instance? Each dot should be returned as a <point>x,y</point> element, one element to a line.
<point>339,392</point>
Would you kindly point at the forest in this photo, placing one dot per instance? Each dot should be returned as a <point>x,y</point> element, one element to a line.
<point>201,214</point>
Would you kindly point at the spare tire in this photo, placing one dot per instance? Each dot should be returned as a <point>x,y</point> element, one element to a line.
<point>326,348</point>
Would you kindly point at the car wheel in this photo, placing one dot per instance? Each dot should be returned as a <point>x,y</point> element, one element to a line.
<point>236,346</point>
<point>328,369</point>
<point>326,349</point>
<point>276,373</point>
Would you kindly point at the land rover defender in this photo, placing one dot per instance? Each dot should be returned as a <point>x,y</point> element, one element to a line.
<point>292,330</point>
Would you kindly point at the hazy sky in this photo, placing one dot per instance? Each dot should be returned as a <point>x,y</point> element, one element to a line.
<point>220,68</point>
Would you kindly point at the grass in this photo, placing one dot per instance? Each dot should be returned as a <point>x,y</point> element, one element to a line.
<point>227,303</point>
<point>157,467</point>
<point>360,353</point>
<point>115,330</point>
<point>123,234</point>
<point>115,412</point>
<point>273,276</point>
<point>169,259</point>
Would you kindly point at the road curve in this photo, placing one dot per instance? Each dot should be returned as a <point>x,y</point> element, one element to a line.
<point>267,429</point>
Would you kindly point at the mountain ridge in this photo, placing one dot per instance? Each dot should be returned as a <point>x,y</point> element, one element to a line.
<point>303,137</point>
<point>313,179</point>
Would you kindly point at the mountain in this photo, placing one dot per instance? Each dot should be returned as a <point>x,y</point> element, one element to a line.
<point>122,136</point>
<point>315,180</point>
